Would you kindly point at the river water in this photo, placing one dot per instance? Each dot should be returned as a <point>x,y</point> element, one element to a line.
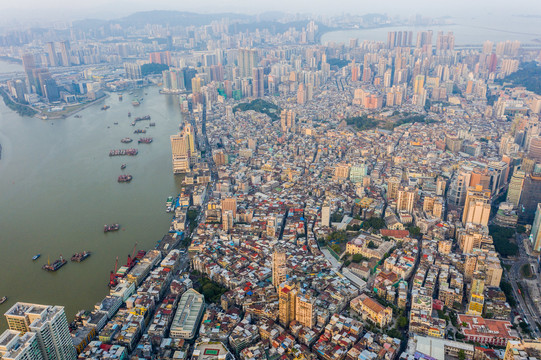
<point>58,187</point>
<point>467,31</point>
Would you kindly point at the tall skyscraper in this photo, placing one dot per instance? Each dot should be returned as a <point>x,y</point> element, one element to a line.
<point>230,204</point>
<point>50,325</point>
<point>183,149</point>
<point>326,214</point>
<point>477,206</point>
<point>515,187</point>
<point>17,346</point>
<point>532,196</point>
<point>247,60</point>
<point>279,268</point>
<point>406,199</point>
<point>65,52</point>
<point>287,296</point>
<point>535,235</point>
<point>534,151</point>
<point>304,310</point>
<point>51,52</point>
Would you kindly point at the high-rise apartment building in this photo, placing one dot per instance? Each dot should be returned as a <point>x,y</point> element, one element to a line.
<point>183,149</point>
<point>535,234</point>
<point>50,325</point>
<point>304,310</point>
<point>65,53</point>
<point>287,298</point>
<point>392,187</point>
<point>534,151</point>
<point>247,60</point>
<point>406,199</point>
<point>51,52</point>
<point>477,206</point>
<point>326,214</point>
<point>531,198</point>
<point>515,187</point>
<point>230,204</point>
<point>17,346</point>
<point>279,268</point>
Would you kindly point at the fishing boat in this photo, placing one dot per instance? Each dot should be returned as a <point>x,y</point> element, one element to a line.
<point>113,227</point>
<point>3,299</point>
<point>144,140</point>
<point>35,257</point>
<point>55,265</point>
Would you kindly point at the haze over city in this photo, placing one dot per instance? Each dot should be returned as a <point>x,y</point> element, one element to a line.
<point>243,180</point>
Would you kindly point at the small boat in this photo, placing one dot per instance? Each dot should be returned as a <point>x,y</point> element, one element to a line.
<point>115,123</point>
<point>78,257</point>
<point>126,140</point>
<point>135,103</point>
<point>129,114</point>
<point>35,257</point>
<point>122,167</point>
<point>113,227</point>
<point>124,178</point>
<point>140,131</point>
<point>144,140</point>
<point>119,96</point>
<point>105,107</point>
<point>152,124</point>
<point>77,116</point>
<point>3,299</point>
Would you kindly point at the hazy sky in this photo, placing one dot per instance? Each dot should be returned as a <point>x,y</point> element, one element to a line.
<point>68,9</point>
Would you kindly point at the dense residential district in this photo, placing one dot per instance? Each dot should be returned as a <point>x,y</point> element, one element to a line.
<point>373,200</point>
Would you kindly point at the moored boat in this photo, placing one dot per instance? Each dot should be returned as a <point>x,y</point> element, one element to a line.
<point>140,131</point>
<point>78,257</point>
<point>113,227</point>
<point>55,265</point>
<point>124,178</point>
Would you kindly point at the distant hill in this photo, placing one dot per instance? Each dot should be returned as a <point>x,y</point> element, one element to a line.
<point>239,22</point>
<point>163,17</point>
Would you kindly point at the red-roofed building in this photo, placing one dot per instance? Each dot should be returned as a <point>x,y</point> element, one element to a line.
<point>396,234</point>
<point>486,331</point>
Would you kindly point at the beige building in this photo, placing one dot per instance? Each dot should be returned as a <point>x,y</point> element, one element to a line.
<point>341,171</point>
<point>406,199</point>
<point>279,268</point>
<point>369,309</point>
<point>523,349</point>
<point>304,310</point>
<point>477,206</point>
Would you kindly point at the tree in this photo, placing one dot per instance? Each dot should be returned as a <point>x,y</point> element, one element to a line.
<point>371,245</point>
<point>357,258</point>
<point>461,355</point>
<point>402,322</point>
